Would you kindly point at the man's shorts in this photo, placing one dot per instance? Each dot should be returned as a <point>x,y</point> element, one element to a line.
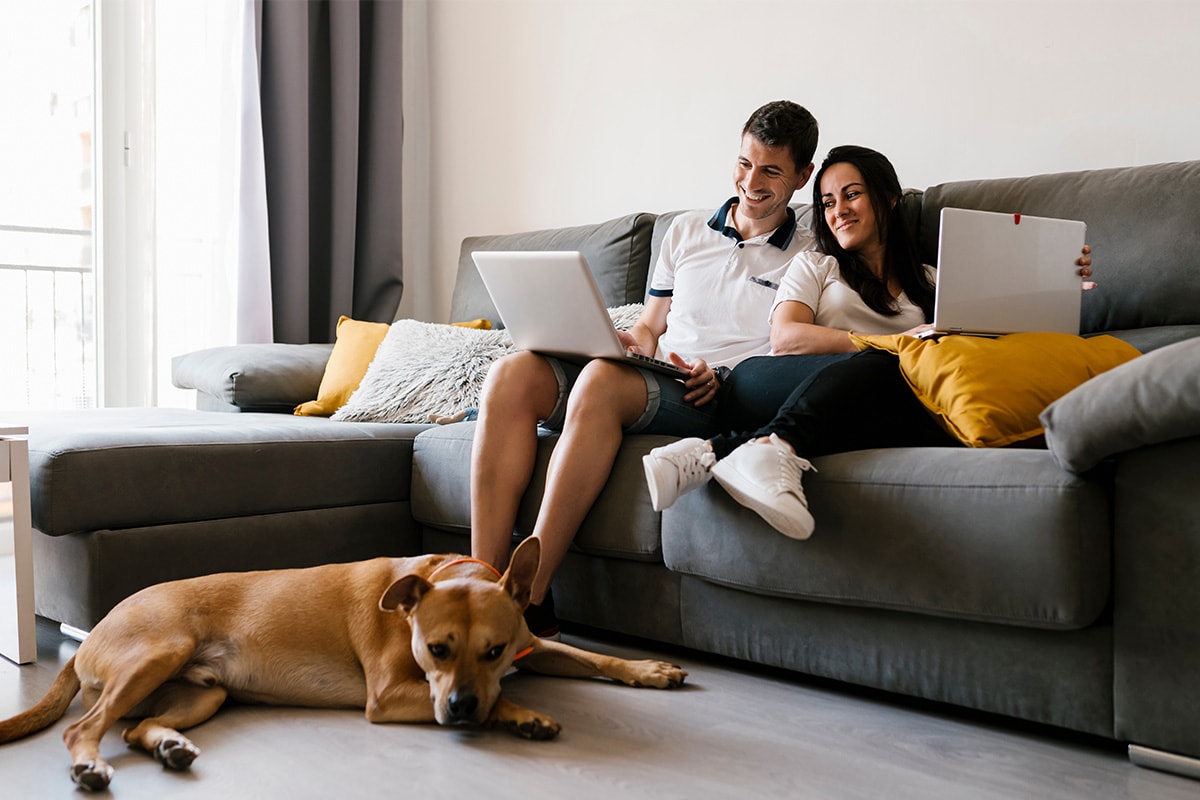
<point>665,413</point>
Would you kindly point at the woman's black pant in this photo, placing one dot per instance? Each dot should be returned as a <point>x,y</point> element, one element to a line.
<point>855,402</point>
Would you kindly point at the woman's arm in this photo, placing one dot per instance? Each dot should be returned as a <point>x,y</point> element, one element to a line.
<point>793,332</point>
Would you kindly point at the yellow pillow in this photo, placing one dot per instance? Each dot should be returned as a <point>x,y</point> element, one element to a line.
<point>989,392</point>
<point>352,353</point>
<point>480,324</point>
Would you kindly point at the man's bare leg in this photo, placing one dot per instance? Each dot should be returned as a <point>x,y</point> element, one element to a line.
<point>607,398</point>
<point>520,390</point>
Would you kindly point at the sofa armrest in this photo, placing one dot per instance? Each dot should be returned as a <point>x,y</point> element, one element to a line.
<point>252,377</point>
<point>1156,597</point>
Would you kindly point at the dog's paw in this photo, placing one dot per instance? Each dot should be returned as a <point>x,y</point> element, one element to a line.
<point>94,776</point>
<point>655,674</point>
<point>534,727</point>
<point>176,752</point>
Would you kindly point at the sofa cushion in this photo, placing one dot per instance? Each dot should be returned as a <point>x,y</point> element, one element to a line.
<point>93,469</point>
<point>1001,536</point>
<point>621,523</point>
<point>989,392</point>
<point>1141,285</point>
<point>254,377</point>
<point>617,251</point>
<point>1151,399</point>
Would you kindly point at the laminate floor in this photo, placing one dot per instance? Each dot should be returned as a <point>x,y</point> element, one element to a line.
<point>731,732</point>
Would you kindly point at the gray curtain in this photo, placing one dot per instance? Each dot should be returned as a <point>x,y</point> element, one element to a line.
<point>332,127</point>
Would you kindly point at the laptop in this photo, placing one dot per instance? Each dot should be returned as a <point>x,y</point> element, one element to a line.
<point>1007,273</point>
<point>549,302</point>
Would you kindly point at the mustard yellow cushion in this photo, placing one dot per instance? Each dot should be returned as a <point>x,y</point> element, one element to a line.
<point>480,324</point>
<point>356,344</point>
<point>989,392</point>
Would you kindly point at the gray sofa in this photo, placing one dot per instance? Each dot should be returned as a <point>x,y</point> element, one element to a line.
<point>1055,585</point>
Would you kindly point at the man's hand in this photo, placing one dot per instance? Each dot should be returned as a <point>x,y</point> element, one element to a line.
<point>702,385</point>
<point>629,342</point>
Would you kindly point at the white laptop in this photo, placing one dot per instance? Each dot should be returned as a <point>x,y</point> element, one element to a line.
<point>549,302</point>
<point>1007,273</point>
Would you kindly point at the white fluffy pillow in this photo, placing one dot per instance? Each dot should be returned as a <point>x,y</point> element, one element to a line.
<point>422,370</point>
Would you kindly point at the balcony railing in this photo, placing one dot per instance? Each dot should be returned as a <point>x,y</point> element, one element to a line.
<point>47,318</point>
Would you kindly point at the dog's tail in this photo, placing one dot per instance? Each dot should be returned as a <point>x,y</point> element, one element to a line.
<point>49,710</point>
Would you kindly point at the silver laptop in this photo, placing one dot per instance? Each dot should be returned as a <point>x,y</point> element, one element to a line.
<point>1007,273</point>
<point>549,302</point>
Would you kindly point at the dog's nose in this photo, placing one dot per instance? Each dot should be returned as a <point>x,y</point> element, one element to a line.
<point>463,705</point>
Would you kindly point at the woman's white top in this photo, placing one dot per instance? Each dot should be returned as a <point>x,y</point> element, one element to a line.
<point>815,279</point>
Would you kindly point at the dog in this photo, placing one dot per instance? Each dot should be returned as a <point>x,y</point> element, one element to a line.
<point>423,639</point>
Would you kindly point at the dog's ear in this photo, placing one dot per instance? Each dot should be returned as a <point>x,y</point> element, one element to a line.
<point>404,593</point>
<point>522,567</point>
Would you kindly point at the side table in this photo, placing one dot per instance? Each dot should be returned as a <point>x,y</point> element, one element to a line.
<point>18,632</point>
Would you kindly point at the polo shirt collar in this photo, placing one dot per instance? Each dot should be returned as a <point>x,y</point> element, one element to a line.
<point>781,237</point>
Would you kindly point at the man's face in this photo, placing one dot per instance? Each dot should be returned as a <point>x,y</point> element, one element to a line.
<point>765,178</point>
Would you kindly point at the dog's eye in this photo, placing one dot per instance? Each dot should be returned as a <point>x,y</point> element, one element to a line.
<point>439,651</point>
<point>494,653</point>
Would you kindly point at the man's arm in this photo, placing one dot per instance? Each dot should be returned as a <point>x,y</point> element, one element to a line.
<point>650,325</point>
<point>793,332</point>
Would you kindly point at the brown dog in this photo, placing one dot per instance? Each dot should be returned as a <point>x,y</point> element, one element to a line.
<point>409,639</point>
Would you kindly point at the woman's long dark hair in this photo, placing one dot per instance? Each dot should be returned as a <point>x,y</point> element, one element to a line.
<point>900,257</point>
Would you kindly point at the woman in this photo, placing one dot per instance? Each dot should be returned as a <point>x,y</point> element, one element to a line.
<point>865,277</point>
<point>871,282</point>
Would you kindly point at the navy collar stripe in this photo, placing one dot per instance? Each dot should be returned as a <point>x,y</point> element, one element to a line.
<point>781,238</point>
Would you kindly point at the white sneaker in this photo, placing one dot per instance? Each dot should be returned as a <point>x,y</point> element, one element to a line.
<point>677,468</point>
<point>765,478</point>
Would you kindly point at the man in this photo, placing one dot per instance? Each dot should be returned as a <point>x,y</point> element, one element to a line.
<point>708,307</point>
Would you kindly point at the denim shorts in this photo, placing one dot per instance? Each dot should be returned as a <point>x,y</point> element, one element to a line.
<point>666,412</point>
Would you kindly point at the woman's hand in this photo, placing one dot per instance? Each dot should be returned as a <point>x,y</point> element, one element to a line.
<point>702,385</point>
<point>926,327</point>
<point>1085,268</point>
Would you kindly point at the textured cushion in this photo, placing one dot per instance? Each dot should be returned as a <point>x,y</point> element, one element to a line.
<point>1151,399</point>
<point>356,344</point>
<point>254,377</point>
<point>617,251</point>
<point>989,392</point>
<point>423,370</point>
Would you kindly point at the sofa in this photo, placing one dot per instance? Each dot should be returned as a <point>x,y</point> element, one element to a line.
<point>1057,584</point>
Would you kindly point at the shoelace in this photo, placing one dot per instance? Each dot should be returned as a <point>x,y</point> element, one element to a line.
<point>694,470</point>
<point>791,471</point>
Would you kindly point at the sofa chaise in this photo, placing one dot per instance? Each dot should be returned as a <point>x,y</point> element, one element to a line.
<point>1059,585</point>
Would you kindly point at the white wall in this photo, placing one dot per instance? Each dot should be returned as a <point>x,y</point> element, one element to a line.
<point>558,112</point>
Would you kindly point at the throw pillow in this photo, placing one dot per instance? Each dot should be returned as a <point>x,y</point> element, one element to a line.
<point>480,324</point>
<point>1151,399</point>
<point>424,371</point>
<point>989,392</point>
<point>352,352</point>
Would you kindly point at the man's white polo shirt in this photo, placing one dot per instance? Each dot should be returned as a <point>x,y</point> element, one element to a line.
<point>722,287</point>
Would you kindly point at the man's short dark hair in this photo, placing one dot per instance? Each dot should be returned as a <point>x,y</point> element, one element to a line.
<point>782,123</point>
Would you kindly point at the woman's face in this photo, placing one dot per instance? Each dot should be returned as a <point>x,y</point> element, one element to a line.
<point>847,207</point>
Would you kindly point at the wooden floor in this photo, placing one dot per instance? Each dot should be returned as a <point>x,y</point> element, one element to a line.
<point>733,731</point>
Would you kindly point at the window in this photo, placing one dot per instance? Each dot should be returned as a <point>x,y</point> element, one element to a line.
<point>107,273</point>
<point>47,265</point>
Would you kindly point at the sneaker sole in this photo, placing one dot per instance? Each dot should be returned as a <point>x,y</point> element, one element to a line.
<point>656,491</point>
<point>728,478</point>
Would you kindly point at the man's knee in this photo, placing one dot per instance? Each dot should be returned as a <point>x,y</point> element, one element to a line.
<point>520,380</point>
<point>607,388</point>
